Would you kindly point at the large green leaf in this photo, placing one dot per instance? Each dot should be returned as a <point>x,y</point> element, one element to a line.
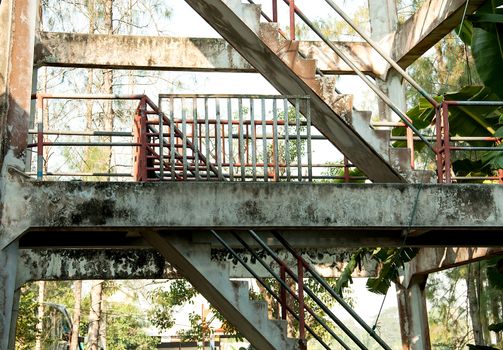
<point>487,45</point>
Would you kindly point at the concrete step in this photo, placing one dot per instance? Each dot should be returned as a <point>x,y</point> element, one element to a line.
<point>260,53</point>
<point>231,298</point>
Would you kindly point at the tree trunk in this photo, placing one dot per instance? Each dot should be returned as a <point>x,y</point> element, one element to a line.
<point>77,294</point>
<point>108,77</point>
<point>95,316</point>
<point>473,303</point>
<point>40,315</point>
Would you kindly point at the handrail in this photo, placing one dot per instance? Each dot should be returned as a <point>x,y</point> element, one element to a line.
<point>366,80</point>
<point>309,292</point>
<point>374,45</point>
<point>265,285</point>
<point>287,288</point>
<point>339,299</point>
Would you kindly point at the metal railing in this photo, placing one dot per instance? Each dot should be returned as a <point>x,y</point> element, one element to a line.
<point>240,137</point>
<point>297,299</point>
<point>441,146</point>
<point>39,137</point>
<point>215,137</point>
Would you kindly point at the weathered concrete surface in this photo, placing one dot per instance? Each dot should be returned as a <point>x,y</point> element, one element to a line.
<point>175,53</point>
<point>79,264</point>
<point>8,266</point>
<point>430,260</point>
<point>17,19</point>
<point>426,27</point>
<point>231,298</point>
<point>413,314</point>
<point>316,214</point>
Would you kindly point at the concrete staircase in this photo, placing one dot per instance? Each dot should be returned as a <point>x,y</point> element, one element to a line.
<point>279,61</point>
<point>231,298</point>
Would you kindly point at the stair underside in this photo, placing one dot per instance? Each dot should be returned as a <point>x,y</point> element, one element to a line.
<point>231,298</point>
<point>287,82</point>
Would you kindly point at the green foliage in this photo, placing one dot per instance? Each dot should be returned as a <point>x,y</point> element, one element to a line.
<point>180,292</point>
<point>390,261</point>
<point>464,121</point>
<point>487,44</point>
<point>27,318</point>
<point>126,328</point>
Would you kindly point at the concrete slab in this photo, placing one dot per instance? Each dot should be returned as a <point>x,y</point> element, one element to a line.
<point>315,214</point>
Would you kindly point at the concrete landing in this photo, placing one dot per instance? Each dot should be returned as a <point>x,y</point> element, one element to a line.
<point>316,215</point>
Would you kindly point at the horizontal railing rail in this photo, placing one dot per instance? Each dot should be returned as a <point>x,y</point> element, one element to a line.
<point>200,147</point>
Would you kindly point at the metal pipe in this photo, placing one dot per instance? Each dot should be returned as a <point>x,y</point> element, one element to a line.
<point>265,285</point>
<point>83,133</point>
<point>370,84</point>
<point>241,138</point>
<point>388,59</point>
<point>311,294</point>
<point>329,289</point>
<point>285,286</point>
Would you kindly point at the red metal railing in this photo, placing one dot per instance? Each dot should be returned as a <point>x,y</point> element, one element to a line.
<point>291,296</point>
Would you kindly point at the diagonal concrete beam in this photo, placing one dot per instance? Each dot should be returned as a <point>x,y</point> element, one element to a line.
<point>430,260</point>
<point>433,20</point>
<point>172,53</point>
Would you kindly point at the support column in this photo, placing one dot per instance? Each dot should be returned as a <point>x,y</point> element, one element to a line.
<point>8,267</point>
<point>383,22</point>
<point>413,315</point>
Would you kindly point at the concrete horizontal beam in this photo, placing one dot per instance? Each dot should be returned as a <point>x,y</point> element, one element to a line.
<point>172,53</point>
<point>80,264</point>
<point>434,20</point>
<point>318,214</point>
<point>430,260</point>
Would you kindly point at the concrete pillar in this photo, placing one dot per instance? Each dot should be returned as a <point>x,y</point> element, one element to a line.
<point>18,20</point>
<point>384,21</point>
<point>413,315</point>
<point>8,266</point>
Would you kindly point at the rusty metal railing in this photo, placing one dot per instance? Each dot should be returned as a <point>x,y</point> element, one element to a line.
<point>440,145</point>
<point>298,300</point>
<point>242,137</point>
<point>200,137</point>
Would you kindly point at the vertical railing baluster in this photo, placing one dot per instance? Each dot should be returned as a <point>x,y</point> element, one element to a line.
<point>161,144</point>
<point>40,138</point>
<point>264,141</point>
<point>184,139</point>
<point>309,152</point>
<point>207,135</point>
<point>292,20</point>
<point>275,139</point>
<point>229,131</point>
<point>218,140</point>
<point>275,11</point>
<point>241,140</point>
<point>300,288</point>
<point>282,291</point>
<point>195,137</point>
<point>254,139</point>
<point>172,137</point>
<point>287,139</point>
<point>299,152</point>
